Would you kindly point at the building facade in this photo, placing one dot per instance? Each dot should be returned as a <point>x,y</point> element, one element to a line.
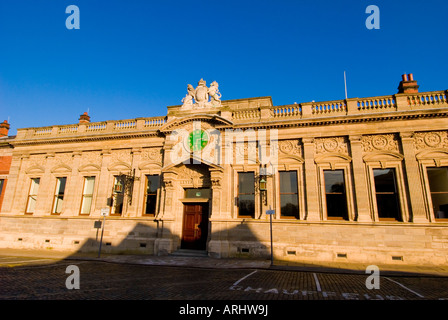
<point>355,180</point>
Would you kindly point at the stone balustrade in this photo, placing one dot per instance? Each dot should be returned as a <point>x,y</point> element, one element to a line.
<point>255,113</point>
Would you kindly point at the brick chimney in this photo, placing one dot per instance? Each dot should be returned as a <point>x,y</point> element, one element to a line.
<point>4,128</point>
<point>408,84</point>
<point>84,118</point>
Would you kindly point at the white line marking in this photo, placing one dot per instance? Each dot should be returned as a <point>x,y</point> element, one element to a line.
<point>317,282</point>
<point>246,276</point>
<point>6,258</point>
<point>419,295</point>
<point>22,261</point>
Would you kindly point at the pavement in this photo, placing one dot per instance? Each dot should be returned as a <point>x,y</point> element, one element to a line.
<point>191,260</point>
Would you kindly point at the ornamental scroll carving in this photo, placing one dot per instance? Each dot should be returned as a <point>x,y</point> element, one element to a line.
<point>152,154</point>
<point>380,142</point>
<point>331,145</point>
<point>431,140</point>
<point>291,147</point>
<point>121,156</point>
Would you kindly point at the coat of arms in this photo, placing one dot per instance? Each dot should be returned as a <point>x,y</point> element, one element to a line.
<point>203,97</point>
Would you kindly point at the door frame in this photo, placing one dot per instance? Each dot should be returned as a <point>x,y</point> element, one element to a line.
<point>203,203</point>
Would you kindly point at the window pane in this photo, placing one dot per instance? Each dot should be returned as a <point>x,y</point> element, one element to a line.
<point>387,205</point>
<point>246,205</point>
<point>335,194</point>
<point>31,204</point>
<point>2,181</point>
<point>197,193</point>
<point>153,183</point>
<point>58,204</point>
<point>288,181</point>
<point>151,204</point>
<point>336,205</point>
<point>386,195</point>
<point>438,179</point>
<point>60,187</point>
<point>86,204</point>
<point>289,205</point>
<point>246,182</point>
<point>89,184</point>
<point>384,180</point>
<point>438,185</point>
<point>34,186</point>
<point>334,181</point>
<point>118,203</point>
<point>440,205</point>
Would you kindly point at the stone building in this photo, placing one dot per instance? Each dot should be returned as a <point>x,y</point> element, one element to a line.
<point>355,180</point>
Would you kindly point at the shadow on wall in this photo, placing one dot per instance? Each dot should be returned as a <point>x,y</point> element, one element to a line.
<point>142,239</point>
<point>238,242</point>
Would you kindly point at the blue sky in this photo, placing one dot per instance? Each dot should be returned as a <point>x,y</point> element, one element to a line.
<point>133,58</point>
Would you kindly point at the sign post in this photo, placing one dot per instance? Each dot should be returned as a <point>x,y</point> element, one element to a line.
<point>271,213</point>
<point>104,213</point>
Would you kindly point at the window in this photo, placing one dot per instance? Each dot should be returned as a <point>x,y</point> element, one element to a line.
<point>87,195</point>
<point>198,193</point>
<point>335,195</point>
<point>246,194</point>
<point>118,196</point>
<point>59,195</point>
<point>438,186</point>
<point>152,185</point>
<point>289,197</point>
<point>2,182</point>
<point>386,194</point>
<point>32,195</point>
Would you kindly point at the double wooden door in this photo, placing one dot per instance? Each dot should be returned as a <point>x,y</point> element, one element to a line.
<point>195,226</point>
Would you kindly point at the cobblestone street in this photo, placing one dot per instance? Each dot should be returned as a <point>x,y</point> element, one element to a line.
<point>45,279</point>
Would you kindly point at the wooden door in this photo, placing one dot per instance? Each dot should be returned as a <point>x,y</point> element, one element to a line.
<point>195,226</point>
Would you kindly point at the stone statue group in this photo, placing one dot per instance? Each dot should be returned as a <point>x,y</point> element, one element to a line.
<point>203,96</point>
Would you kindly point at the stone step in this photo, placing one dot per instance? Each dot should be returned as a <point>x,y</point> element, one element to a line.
<point>190,253</point>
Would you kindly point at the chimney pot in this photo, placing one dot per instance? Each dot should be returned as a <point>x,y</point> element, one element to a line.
<point>84,118</point>
<point>4,128</point>
<point>408,84</point>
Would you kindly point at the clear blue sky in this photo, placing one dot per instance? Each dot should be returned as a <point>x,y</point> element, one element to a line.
<point>133,58</point>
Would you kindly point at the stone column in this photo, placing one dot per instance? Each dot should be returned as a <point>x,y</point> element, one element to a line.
<point>46,193</point>
<point>216,180</point>
<point>104,190</point>
<point>311,188</point>
<point>73,187</point>
<point>134,209</point>
<point>414,181</point>
<point>360,182</point>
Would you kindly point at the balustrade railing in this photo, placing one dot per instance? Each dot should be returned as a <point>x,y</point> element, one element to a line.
<point>355,106</point>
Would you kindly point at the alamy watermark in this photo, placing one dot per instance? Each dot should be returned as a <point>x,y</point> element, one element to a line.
<point>73,20</point>
<point>73,280</point>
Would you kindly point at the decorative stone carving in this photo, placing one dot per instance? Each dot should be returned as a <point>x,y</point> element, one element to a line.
<point>333,145</point>
<point>201,96</point>
<point>431,140</point>
<point>37,160</point>
<point>195,175</point>
<point>122,156</point>
<point>152,154</point>
<point>93,157</point>
<point>382,142</point>
<point>291,147</point>
<point>63,158</point>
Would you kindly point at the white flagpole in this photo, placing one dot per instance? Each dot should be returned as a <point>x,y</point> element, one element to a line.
<point>345,83</point>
